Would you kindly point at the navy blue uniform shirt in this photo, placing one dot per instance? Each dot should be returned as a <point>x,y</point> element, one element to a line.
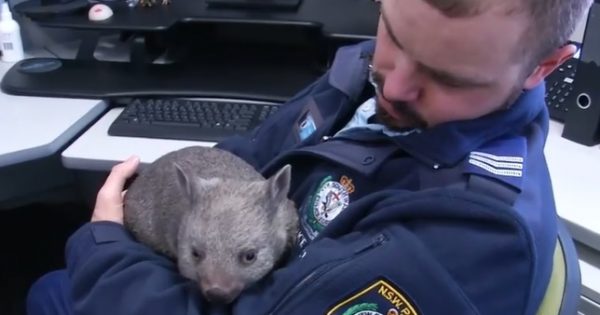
<point>455,219</point>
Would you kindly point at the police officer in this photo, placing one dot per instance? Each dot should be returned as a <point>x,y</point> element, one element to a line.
<point>418,170</point>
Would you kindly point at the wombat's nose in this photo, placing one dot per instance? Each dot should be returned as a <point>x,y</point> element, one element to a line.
<point>220,296</point>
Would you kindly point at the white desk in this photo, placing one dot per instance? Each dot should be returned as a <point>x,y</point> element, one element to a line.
<point>96,150</point>
<point>575,172</point>
<point>33,130</point>
<point>35,127</point>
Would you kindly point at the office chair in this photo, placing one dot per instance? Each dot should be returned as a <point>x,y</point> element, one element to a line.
<point>563,292</point>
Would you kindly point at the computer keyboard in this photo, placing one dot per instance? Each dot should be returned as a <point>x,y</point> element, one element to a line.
<point>559,89</point>
<point>190,119</point>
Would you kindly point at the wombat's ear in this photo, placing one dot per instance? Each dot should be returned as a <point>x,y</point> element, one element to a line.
<point>279,184</point>
<point>194,187</point>
<point>184,182</point>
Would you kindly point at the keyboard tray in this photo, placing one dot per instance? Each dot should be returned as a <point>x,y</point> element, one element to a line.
<point>103,79</point>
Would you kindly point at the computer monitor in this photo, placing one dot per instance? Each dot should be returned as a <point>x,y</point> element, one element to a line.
<point>582,123</point>
<point>590,51</point>
<point>256,4</point>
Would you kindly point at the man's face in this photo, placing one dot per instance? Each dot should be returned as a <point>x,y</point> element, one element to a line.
<point>434,69</point>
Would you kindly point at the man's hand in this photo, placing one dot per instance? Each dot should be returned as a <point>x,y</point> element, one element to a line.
<point>109,202</point>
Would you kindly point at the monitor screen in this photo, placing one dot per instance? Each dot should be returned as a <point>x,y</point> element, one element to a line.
<point>257,4</point>
<point>590,51</point>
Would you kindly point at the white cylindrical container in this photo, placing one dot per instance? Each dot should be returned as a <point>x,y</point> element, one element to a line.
<point>11,43</point>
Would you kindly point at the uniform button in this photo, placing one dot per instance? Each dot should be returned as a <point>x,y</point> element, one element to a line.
<point>368,160</point>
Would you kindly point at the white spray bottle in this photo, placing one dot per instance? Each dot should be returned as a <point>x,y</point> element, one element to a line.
<point>10,37</point>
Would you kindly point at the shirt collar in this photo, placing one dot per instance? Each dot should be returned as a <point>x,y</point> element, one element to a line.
<point>447,144</point>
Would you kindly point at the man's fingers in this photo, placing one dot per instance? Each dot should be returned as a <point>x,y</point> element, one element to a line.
<point>115,182</point>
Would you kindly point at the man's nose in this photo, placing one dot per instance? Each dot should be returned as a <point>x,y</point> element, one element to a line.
<point>402,82</point>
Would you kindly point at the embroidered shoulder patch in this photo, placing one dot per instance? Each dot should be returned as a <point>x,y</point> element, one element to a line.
<point>502,159</point>
<point>381,297</point>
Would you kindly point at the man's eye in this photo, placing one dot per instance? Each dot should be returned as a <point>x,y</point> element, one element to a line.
<point>454,85</point>
<point>444,80</point>
<point>448,82</point>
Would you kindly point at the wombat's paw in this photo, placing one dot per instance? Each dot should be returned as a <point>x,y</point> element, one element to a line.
<point>166,2</point>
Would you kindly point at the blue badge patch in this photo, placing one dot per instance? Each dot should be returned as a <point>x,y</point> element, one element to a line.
<point>306,127</point>
<point>502,159</point>
<point>381,297</point>
<point>309,121</point>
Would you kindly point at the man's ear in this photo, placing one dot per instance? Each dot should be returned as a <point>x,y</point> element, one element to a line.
<point>548,65</point>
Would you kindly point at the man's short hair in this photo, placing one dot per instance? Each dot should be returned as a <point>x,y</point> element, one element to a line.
<point>553,21</point>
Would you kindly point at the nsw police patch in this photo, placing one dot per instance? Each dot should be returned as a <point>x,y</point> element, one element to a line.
<point>329,200</point>
<point>380,297</point>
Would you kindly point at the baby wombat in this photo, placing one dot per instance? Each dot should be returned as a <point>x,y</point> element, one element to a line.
<point>224,224</point>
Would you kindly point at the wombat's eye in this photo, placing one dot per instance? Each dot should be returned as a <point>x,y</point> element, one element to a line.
<point>198,255</point>
<point>248,256</point>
